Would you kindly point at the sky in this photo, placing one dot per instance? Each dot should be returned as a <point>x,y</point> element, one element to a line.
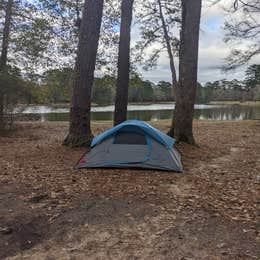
<point>212,49</point>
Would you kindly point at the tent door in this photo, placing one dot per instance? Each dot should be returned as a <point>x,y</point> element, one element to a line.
<point>128,148</point>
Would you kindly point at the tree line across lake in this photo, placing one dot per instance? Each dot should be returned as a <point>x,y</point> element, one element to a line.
<point>55,86</point>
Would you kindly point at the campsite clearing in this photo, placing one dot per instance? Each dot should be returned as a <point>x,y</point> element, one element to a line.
<point>50,211</point>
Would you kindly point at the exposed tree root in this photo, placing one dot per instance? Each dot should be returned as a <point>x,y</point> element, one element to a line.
<point>77,140</point>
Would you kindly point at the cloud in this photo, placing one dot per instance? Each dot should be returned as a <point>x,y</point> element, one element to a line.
<point>212,49</point>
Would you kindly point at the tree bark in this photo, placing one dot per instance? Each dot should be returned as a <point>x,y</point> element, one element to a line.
<point>80,130</point>
<point>4,50</point>
<point>168,45</point>
<point>6,34</point>
<point>122,84</point>
<point>188,67</point>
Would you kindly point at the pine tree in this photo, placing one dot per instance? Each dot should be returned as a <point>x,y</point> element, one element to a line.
<point>80,130</point>
<point>188,66</point>
<point>122,86</point>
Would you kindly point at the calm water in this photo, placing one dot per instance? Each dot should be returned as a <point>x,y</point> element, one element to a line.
<point>152,112</point>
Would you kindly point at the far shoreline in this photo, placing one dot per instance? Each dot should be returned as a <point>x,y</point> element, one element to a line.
<point>147,103</point>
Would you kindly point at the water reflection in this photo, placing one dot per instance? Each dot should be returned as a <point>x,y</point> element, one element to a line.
<point>205,113</point>
<point>150,107</point>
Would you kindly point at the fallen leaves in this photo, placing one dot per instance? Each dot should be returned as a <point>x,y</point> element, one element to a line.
<point>220,179</point>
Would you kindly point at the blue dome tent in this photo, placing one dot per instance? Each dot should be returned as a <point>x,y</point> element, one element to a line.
<point>132,144</point>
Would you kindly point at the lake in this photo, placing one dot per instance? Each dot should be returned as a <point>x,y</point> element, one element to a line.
<point>153,112</point>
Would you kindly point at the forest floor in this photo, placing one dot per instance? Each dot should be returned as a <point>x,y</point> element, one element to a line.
<point>50,211</point>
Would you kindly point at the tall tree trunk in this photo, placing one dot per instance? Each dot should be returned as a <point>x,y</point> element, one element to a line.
<point>6,34</point>
<point>80,130</point>
<point>4,50</point>
<point>122,84</point>
<point>188,67</point>
<point>168,45</point>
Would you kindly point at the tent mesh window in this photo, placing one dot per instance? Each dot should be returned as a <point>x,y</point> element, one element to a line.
<point>130,138</point>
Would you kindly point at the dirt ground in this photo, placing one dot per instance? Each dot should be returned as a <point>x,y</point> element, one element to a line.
<point>50,211</point>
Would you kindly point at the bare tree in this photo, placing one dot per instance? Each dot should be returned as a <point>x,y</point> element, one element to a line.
<point>122,85</point>
<point>80,130</point>
<point>168,44</point>
<point>243,28</point>
<point>188,66</point>
<point>158,20</point>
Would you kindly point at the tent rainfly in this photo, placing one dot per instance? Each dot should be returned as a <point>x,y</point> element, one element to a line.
<point>132,144</point>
